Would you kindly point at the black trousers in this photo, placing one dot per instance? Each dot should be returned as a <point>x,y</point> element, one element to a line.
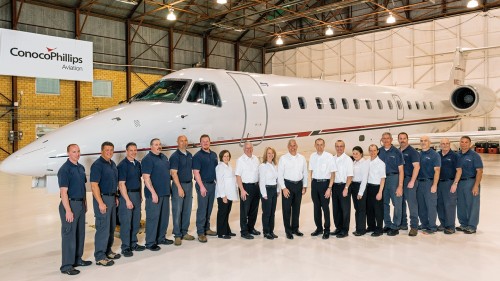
<point>320,204</point>
<point>359,206</point>
<point>223,216</point>
<point>291,206</point>
<point>269,209</point>
<point>341,208</point>
<point>374,208</point>
<point>249,208</point>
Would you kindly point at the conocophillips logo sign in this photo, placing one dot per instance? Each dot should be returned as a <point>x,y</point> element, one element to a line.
<point>49,55</point>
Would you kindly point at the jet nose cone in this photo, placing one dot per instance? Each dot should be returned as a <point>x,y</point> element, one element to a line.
<point>10,165</point>
<point>27,161</point>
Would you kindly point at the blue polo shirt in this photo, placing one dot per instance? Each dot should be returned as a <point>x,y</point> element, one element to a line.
<point>130,173</point>
<point>105,174</point>
<point>449,164</point>
<point>428,161</point>
<point>158,167</point>
<point>205,162</point>
<point>410,156</point>
<point>393,158</point>
<point>469,162</point>
<point>73,177</point>
<point>183,164</point>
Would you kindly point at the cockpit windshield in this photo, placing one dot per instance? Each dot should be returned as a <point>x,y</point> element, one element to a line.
<point>168,90</point>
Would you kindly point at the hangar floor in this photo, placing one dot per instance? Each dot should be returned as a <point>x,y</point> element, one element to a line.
<point>30,247</point>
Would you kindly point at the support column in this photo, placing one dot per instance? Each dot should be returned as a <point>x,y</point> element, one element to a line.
<point>205,50</point>
<point>78,110</point>
<point>171,48</point>
<point>237,56</point>
<point>128,50</point>
<point>263,61</point>
<point>15,110</point>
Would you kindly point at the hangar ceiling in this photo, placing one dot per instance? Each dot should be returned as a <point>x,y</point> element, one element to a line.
<point>258,23</point>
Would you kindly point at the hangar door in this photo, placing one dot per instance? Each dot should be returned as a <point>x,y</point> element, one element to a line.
<point>255,105</point>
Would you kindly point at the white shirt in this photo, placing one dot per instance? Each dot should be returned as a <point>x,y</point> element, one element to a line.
<point>361,169</point>
<point>226,182</point>
<point>292,168</point>
<point>268,175</point>
<point>248,168</point>
<point>376,171</point>
<point>344,168</point>
<point>322,165</point>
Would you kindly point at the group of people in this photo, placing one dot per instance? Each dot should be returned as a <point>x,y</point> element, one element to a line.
<point>433,185</point>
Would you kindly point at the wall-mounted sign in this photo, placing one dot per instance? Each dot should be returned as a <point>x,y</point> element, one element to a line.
<point>35,55</point>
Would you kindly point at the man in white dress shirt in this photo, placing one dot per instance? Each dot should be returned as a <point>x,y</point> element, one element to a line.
<point>341,195</point>
<point>322,169</point>
<point>292,178</point>
<point>247,178</point>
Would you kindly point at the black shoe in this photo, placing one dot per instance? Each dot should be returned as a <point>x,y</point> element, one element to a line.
<point>254,232</point>
<point>469,230</point>
<point>317,232</point>
<point>342,235</point>
<point>70,271</point>
<point>246,236</point>
<point>138,248</point>
<point>387,229</point>
<point>337,231</point>
<point>289,236</point>
<point>274,235</point>
<point>393,232</point>
<point>368,230</point>
<point>440,228</point>
<point>82,263</point>
<point>227,236</point>
<point>154,248</point>
<point>232,234</point>
<point>449,231</point>
<point>127,253</point>
<point>105,262</point>
<point>113,256</point>
<point>461,228</point>
<point>166,242</point>
<point>298,233</point>
<point>357,233</point>
<point>326,235</point>
<point>268,236</point>
<point>376,234</point>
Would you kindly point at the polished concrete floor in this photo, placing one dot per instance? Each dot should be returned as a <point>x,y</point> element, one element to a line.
<point>30,247</point>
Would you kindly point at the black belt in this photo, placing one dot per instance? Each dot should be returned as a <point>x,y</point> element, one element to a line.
<point>339,183</point>
<point>425,179</point>
<point>210,182</point>
<point>271,186</point>
<point>356,182</point>
<point>250,183</point>
<point>191,181</point>
<point>407,176</point>
<point>446,179</point>
<point>294,182</point>
<point>134,190</point>
<point>390,174</point>
<point>108,194</point>
<point>372,185</point>
<point>75,199</point>
<point>463,179</point>
<point>320,180</point>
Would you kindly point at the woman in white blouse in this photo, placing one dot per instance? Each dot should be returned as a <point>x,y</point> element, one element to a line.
<point>268,179</point>
<point>358,189</point>
<point>226,191</point>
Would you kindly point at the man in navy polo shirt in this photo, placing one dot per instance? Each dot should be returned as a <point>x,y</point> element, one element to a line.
<point>411,168</point>
<point>204,163</point>
<point>393,190</point>
<point>469,187</point>
<point>448,182</point>
<point>129,209</point>
<point>428,178</point>
<point>72,179</point>
<point>156,175</point>
<point>182,190</point>
<point>104,182</point>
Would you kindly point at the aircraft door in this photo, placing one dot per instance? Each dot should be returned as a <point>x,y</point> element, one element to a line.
<point>255,108</point>
<point>399,107</point>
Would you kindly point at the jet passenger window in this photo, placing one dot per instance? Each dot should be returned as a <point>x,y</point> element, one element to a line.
<point>368,104</point>
<point>380,105</point>
<point>319,103</point>
<point>400,104</point>
<point>356,103</point>
<point>302,103</point>
<point>425,105</point>
<point>389,103</point>
<point>345,103</point>
<point>333,104</point>
<point>286,102</point>
<point>204,93</point>
<point>417,104</point>
<point>409,104</point>
<point>167,90</point>
<point>432,105</point>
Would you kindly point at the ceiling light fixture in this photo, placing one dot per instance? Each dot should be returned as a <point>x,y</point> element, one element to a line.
<point>130,2</point>
<point>171,16</point>
<point>279,40</point>
<point>329,30</point>
<point>472,4</point>
<point>221,1</point>
<point>390,19</point>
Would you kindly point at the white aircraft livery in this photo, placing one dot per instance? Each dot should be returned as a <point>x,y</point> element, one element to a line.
<point>268,110</point>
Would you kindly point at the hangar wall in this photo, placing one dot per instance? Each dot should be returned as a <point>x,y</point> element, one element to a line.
<point>385,57</point>
<point>150,58</point>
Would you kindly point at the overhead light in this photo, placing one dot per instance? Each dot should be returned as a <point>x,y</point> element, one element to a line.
<point>329,30</point>
<point>391,19</point>
<point>171,16</point>
<point>221,1</point>
<point>279,40</point>
<point>130,2</point>
<point>472,4</point>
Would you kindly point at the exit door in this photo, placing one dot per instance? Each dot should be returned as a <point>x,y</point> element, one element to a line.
<point>399,107</point>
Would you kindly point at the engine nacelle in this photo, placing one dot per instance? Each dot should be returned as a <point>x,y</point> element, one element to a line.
<point>473,100</point>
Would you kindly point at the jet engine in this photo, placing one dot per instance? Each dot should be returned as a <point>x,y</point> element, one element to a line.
<point>473,100</point>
